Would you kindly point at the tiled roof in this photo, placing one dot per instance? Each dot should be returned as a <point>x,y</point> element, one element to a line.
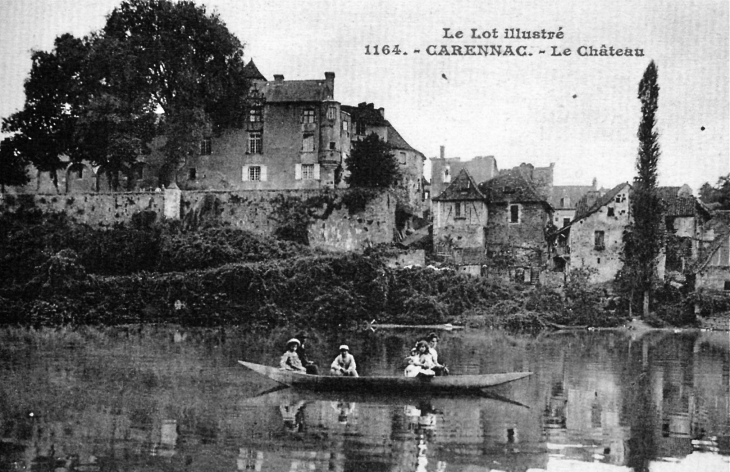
<point>296,91</point>
<point>573,192</point>
<point>250,71</point>
<point>397,141</point>
<point>510,186</point>
<point>582,212</point>
<point>676,206</point>
<point>461,188</point>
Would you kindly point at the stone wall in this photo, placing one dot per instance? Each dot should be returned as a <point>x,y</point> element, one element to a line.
<point>97,209</point>
<point>337,219</point>
<point>525,239</point>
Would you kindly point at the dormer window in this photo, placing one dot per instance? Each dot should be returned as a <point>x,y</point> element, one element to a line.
<point>331,112</point>
<point>205,147</point>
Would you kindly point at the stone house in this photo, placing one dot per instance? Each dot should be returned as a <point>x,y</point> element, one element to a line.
<point>596,234</point>
<point>460,217</point>
<point>294,135</point>
<point>516,228</point>
<point>685,217</point>
<point>564,200</point>
<point>366,119</point>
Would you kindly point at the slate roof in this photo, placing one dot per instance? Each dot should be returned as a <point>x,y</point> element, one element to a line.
<point>510,187</point>
<point>573,192</point>
<point>250,71</point>
<point>397,141</point>
<point>461,188</point>
<point>296,91</point>
<point>365,113</point>
<point>603,200</point>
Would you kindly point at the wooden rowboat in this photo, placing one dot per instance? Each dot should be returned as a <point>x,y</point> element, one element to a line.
<point>386,383</point>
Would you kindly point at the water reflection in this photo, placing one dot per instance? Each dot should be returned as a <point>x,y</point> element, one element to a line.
<point>169,398</point>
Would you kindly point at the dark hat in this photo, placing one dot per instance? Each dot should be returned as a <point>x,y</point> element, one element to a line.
<point>432,336</point>
<point>302,335</point>
<point>421,343</point>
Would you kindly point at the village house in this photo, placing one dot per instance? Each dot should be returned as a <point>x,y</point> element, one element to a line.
<point>366,119</point>
<point>518,219</point>
<point>684,217</point>
<point>443,169</point>
<point>460,220</point>
<point>595,236</point>
<point>564,200</point>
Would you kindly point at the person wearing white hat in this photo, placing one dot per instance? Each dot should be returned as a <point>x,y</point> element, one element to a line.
<point>290,359</point>
<point>344,364</point>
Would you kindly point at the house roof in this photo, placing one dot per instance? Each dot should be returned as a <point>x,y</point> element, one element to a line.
<point>296,91</point>
<point>510,187</point>
<point>677,204</point>
<point>583,210</point>
<point>250,71</point>
<point>573,192</point>
<point>366,113</point>
<point>397,141</point>
<point>461,188</point>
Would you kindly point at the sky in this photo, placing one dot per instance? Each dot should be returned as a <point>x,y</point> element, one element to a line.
<point>579,112</point>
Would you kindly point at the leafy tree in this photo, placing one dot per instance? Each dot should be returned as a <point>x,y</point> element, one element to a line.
<point>177,58</point>
<point>43,131</point>
<point>372,164</point>
<point>12,165</point>
<point>644,239</point>
<point>719,194</point>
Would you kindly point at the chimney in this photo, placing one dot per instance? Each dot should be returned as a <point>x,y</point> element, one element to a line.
<point>443,152</point>
<point>278,78</point>
<point>329,81</point>
<point>382,111</point>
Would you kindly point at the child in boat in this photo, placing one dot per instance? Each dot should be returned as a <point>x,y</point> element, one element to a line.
<point>290,359</point>
<point>423,363</point>
<point>344,364</point>
<point>412,369</point>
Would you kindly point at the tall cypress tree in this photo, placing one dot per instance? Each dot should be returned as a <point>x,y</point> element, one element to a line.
<point>644,239</point>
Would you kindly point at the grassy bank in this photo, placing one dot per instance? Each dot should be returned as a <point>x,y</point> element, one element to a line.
<point>57,272</point>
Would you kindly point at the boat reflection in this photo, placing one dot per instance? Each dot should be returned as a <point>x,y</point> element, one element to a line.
<point>358,431</point>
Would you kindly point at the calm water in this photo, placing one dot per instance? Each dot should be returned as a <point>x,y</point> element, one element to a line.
<point>166,398</point>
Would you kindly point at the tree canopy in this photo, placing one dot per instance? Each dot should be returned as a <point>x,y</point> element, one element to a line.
<point>372,164</point>
<point>719,195</point>
<point>97,97</point>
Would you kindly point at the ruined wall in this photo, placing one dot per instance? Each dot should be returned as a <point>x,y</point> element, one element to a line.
<point>97,209</point>
<point>713,278</point>
<point>612,219</point>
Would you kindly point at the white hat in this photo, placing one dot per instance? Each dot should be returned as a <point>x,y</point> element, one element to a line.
<point>344,347</point>
<point>293,340</point>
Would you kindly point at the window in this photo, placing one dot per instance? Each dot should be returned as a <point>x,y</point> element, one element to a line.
<point>308,116</point>
<point>457,210</point>
<point>610,211</point>
<point>254,173</point>
<point>514,213</point>
<point>565,202</point>
<point>255,115</point>
<point>78,171</point>
<point>332,145</point>
<point>254,142</point>
<point>308,142</point>
<point>598,239</point>
<point>307,171</point>
<point>402,157</point>
<point>447,175</point>
<point>727,285</point>
<point>331,112</point>
<point>192,173</point>
<point>566,222</point>
<point>360,127</point>
<point>205,147</point>
<point>345,126</point>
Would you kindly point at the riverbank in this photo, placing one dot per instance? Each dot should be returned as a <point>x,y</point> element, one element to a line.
<point>57,272</point>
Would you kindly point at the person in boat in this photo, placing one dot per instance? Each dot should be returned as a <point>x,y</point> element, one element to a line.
<point>290,359</point>
<point>423,362</point>
<point>411,367</point>
<point>344,364</point>
<point>432,339</point>
<point>308,364</point>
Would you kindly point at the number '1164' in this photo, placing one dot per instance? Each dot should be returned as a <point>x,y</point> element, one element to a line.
<point>385,50</point>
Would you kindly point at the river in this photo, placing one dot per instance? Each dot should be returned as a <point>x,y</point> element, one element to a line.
<point>171,398</point>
